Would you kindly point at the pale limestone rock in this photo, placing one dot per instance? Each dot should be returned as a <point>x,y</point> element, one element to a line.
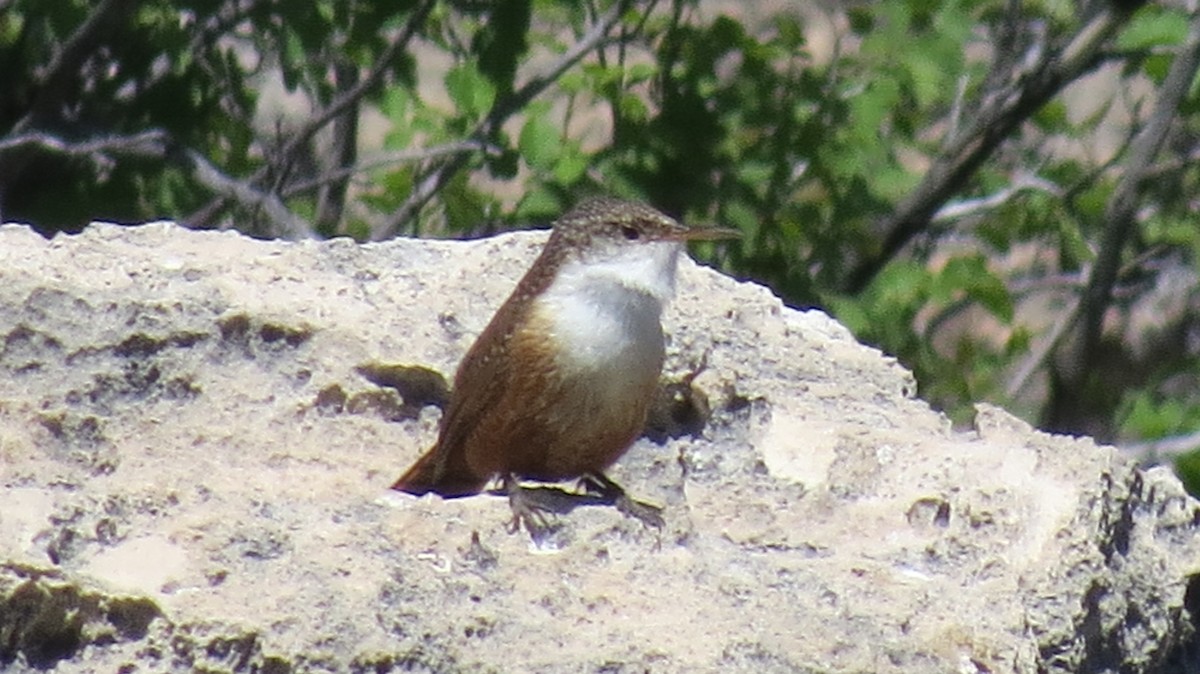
<point>194,472</point>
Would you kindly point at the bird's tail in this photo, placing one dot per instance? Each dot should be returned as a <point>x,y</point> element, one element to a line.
<point>429,474</point>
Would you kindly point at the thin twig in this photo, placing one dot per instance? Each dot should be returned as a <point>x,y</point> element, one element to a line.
<point>350,97</point>
<point>500,112</point>
<point>1163,449</point>
<point>287,224</point>
<point>201,45</point>
<point>966,207</point>
<point>1067,317</point>
<point>342,153</point>
<point>354,94</point>
<point>1120,214</point>
<point>1001,113</point>
<point>1046,345</point>
<point>146,144</point>
<point>388,159</point>
<point>55,82</point>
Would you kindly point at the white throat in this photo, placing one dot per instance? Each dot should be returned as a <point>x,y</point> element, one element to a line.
<point>606,313</point>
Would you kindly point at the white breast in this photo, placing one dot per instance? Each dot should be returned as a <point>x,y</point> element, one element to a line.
<point>607,316</point>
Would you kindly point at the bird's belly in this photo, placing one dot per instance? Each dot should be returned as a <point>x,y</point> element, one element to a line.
<point>607,358</point>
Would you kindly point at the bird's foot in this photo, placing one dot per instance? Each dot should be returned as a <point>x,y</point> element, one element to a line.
<point>532,509</point>
<point>646,513</point>
<point>613,494</point>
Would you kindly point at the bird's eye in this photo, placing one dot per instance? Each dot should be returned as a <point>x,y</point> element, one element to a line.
<point>630,233</point>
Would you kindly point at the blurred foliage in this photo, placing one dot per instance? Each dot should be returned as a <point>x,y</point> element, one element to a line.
<point>492,122</point>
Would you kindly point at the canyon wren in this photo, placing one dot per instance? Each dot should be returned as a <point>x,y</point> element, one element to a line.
<point>558,384</point>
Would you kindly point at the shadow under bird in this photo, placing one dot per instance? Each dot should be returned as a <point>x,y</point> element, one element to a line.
<point>558,385</point>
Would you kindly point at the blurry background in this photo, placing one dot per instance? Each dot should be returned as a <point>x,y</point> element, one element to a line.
<point>1002,194</point>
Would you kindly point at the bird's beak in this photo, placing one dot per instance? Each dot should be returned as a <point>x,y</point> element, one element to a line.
<point>705,234</point>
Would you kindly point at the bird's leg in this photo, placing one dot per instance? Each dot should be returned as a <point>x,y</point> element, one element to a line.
<point>528,510</point>
<point>613,494</point>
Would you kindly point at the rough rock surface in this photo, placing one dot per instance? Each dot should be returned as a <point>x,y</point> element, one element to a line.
<point>197,432</point>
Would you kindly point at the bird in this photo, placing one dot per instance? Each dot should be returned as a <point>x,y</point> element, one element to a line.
<point>558,385</point>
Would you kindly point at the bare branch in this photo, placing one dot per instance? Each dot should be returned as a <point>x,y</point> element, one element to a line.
<point>388,159</point>
<point>343,151</point>
<point>208,36</point>
<point>1163,449</point>
<point>1120,215</point>
<point>1000,115</point>
<point>348,98</point>
<point>1039,354</point>
<point>501,110</point>
<point>64,67</point>
<point>1067,316</point>
<point>1023,183</point>
<point>354,94</point>
<point>57,83</point>
<point>96,150</point>
<point>287,224</point>
<point>146,144</point>
<point>1075,361</point>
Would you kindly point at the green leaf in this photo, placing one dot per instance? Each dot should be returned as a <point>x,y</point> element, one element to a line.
<point>850,313</point>
<point>470,91</point>
<point>790,31</point>
<point>501,43</point>
<point>466,209</point>
<point>901,285</point>
<point>971,276</point>
<point>395,104</point>
<point>571,166</point>
<point>633,108</point>
<point>1188,468</point>
<point>1052,117</point>
<point>741,216</point>
<point>640,72</point>
<point>540,143</point>
<point>873,106</point>
<point>538,205</point>
<point>753,173</point>
<point>1156,66</point>
<point>1146,418</point>
<point>573,81</point>
<point>892,182</point>
<point>1153,27</point>
<point>927,77</point>
<point>991,293</point>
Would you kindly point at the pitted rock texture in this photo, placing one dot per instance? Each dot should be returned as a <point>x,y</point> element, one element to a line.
<point>197,433</point>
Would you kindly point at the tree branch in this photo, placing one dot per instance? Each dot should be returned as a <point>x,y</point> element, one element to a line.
<point>1000,115</point>
<point>55,82</point>
<point>1024,182</point>
<point>386,159</point>
<point>1067,319</point>
<point>1120,213</point>
<point>1041,351</point>
<point>151,143</point>
<point>207,36</point>
<point>343,151</point>
<point>348,98</point>
<point>154,143</point>
<point>145,144</point>
<point>354,94</point>
<point>286,223</point>
<point>1162,449</point>
<point>501,110</point>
